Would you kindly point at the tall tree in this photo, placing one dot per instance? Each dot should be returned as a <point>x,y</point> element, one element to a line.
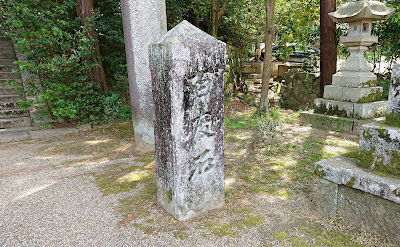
<point>269,39</point>
<point>97,74</point>
<point>218,8</point>
<point>328,43</point>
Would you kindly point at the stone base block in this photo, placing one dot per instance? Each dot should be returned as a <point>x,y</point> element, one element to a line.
<point>349,109</point>
<point>362,198</point>
<point>354,79</point>
<point>339,124</point>
<point>355,95</point>
<point>380,148</point>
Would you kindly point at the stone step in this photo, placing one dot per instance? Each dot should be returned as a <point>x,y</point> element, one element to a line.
<point>8,61</point>
<point>17,81</point>
<point>13,113</point>
<point>8,105</point>
<point>9,91</point>
<point>9,76</point>
<point>7,52</point>
<point>15,122</point>
<point>3,38</point>
<point>6,44</point>
<point>7,68</point>
<point>9,98</point>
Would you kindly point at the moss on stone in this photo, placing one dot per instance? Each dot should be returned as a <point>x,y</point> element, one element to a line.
<point>169,195</point>
<point>371,83</point>
<point>382,133</point>
<point>373,97</point>
<point>367,159</point>
<point>351,182</point>
<point>332,111</point>
<point>393,120</point>
<point>366,134</point>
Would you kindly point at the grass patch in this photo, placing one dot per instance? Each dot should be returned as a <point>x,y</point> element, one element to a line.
<point>118,178</point>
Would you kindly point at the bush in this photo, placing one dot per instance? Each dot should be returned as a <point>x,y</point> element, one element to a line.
<point>60,52</point>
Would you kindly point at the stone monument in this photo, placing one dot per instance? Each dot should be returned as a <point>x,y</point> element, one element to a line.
<point>144,22</point>
<point>365,198</point>
<point>188,68</point>
<point>353,93</point>
<point>393,113</point>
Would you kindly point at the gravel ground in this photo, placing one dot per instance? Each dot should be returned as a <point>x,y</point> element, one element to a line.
<point>52,200</point>
<point>43,204</point>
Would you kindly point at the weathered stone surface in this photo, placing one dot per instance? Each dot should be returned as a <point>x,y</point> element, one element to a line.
<point>380,148</point>
<point>344,171</point>
<point>144,22</point>
<point>334,123</point>
<point>355,95</point>
<point>327,197</point>
<point>393,114</point>
<point>188,78</point>
<point>351,79</point>
<point>364,199</point>
<point>349,109</point>
<point>370,212</point>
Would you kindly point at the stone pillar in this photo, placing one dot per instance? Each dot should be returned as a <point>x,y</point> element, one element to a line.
<point>393,114</point>
<point>188,68</point>
<point>144,22</point>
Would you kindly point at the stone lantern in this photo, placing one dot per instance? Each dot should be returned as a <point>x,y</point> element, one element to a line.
<point>353,92</point>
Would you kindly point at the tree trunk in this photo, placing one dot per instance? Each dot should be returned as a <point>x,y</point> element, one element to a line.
<point>197,15</point>
<point>97,74</point>
<point>214,17</point>
<point>328,44</point>
<point>269,39</point>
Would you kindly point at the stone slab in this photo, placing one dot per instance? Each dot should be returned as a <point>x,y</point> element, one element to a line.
<point>13,113</point>
<point>15,122</point>
<point>354,79</point>
<point>334,123</point>
<point>355,95</point>
<point>380,148</point>
<point>344,171</point>
<point>370,212</point>
<point>349,109</point>
<point>29,133</point>
<point>188,68</point>
<point>327,196</point>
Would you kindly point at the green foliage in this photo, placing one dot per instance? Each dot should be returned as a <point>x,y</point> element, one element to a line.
<point>112,48</point>
<point>389,33</point>
<point>269,123</point>
<point>60,54</point>
<point>232,76</point>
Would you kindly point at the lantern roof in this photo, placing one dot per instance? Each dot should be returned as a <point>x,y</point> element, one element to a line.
<point>362,10</point>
